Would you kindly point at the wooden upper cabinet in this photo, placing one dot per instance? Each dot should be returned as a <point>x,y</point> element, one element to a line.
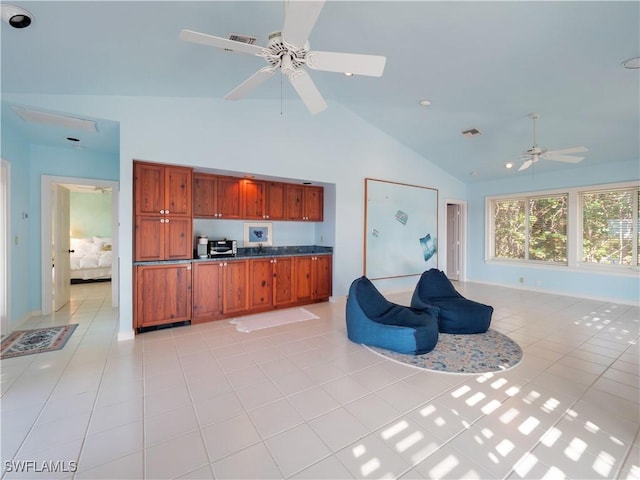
<point>294,207</point>
<point>148,184</point>
<point>314,204</point>
<point>216,196</point>
<point>276,200</point>
<point>304,203</point>
<point>163,228</point>
<point>254,193</point>
<point>162,189</point>
<point>229,197</point>
<point>204,195</point>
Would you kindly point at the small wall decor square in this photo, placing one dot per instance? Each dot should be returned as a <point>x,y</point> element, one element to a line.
<point>256,234</point>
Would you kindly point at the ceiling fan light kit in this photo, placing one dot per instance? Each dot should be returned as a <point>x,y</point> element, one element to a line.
<point>289,51</point>
<point>535,153</point>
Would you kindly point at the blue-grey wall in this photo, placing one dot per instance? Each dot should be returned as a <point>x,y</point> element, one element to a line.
<point>336,148</point>
<point>15,150</point>
<point>59,162</point>
<point>623,286</point>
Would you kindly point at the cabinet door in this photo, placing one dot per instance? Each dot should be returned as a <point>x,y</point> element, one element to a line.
<point>163,294</point>
<point>148,185</point>
<point>207,286</point>
<point>295,198</point>
<point>260,282</point>
<point>178,234</point>
<point>302,278</point>
<point>235,296</point>
<point>322,276</point>
<point>283,278</point>
<point>229,197</point>
<point>204,195</point>
<point>149,239</point>
<point>314,203</point>
<point>177,191</point>
<point>254,197</point>
<point>276,200</point>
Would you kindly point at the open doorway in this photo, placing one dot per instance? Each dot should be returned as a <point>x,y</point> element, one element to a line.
<point>456,240</point>
<point>79,249</point>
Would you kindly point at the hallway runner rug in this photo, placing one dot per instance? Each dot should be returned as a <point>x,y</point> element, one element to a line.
<point>465,354</point>
<point>39,340</point>
<point>258,321</point>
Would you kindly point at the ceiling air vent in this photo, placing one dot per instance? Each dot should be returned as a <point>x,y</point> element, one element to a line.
<point>472,132</point>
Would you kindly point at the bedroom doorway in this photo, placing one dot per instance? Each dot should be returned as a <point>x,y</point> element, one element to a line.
<point>456,244</point>
<point>62,235</point>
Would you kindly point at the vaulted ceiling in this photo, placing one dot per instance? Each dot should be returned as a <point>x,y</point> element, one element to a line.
<point>483,65</point>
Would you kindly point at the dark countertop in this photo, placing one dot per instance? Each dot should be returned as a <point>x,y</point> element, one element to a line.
<point>255,252</point>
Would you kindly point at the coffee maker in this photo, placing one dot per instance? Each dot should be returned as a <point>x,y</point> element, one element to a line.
<point>202,247</point>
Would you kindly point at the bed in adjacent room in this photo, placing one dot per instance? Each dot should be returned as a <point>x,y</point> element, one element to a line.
<point>90,259</point>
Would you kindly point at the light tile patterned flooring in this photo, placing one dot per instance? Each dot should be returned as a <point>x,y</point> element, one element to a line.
<point>301,401</point>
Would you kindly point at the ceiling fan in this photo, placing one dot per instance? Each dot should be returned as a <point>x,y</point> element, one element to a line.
<point>536,153</point>
<point>288,51</point>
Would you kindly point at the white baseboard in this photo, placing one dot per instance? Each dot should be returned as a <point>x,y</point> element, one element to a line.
<point>553,292</point>
<point>126,335</point>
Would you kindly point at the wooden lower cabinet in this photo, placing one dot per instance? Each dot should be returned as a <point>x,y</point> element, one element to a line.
<point>207,290</point>
<point>210,290</point>
<point>162,294</point>
<point>313,277</point>
<point>271,282</point>
<point>220,288</point>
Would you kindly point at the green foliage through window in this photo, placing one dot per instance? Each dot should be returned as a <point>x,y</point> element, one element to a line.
<point>609,230</point>
<point>531,228</point>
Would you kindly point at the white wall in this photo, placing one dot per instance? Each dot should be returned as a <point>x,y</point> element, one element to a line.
<point>334,147</point>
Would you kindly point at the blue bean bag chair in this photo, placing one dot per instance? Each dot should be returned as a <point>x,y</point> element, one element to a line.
<point>373,320</point>
<point>456,314</point>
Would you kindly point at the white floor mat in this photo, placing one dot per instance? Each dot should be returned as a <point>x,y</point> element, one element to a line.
<point>258,321</point>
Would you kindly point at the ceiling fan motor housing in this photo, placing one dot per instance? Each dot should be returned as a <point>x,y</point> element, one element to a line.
<point>276,48</point>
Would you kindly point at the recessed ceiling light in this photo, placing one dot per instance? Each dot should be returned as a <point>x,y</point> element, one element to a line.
<point>508,165</point>
<point>632,63</point>
<point>348,74</point>
<point>425,103</point>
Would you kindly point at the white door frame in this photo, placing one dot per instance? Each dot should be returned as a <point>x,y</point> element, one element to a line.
<point>45,240</point>
<point>463,236</point>
<point>5,245</point>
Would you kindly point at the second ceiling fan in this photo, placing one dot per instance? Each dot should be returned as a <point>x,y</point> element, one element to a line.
<point>288,51</point>
<point>536,153</point>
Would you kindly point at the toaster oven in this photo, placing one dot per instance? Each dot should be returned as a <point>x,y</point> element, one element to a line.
<point>222,248</point>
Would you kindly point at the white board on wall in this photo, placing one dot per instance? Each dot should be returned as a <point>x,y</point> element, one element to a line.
<point>401,229</point>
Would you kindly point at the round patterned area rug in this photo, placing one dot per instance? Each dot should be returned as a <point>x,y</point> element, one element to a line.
<point>466,354</point>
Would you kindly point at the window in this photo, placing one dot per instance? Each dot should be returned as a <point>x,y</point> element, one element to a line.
<point>532,228</point>
<point>610,233</point>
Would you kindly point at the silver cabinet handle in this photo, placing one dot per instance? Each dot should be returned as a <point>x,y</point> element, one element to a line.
<point>161,212</point>
<point>167,212</point>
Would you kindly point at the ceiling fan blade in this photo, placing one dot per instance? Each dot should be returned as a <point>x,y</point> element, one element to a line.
<point>371,65</point>
<point>307,90</point>
<point>299,19</point>
<point>219,42</point>
<point>565,151</point>
<point>562,158</point>
<point>250,83</point>
<point>525,165</point>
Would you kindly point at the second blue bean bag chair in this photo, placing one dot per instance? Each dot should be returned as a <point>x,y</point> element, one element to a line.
<point>375,321</point>
<point>456,314</point>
